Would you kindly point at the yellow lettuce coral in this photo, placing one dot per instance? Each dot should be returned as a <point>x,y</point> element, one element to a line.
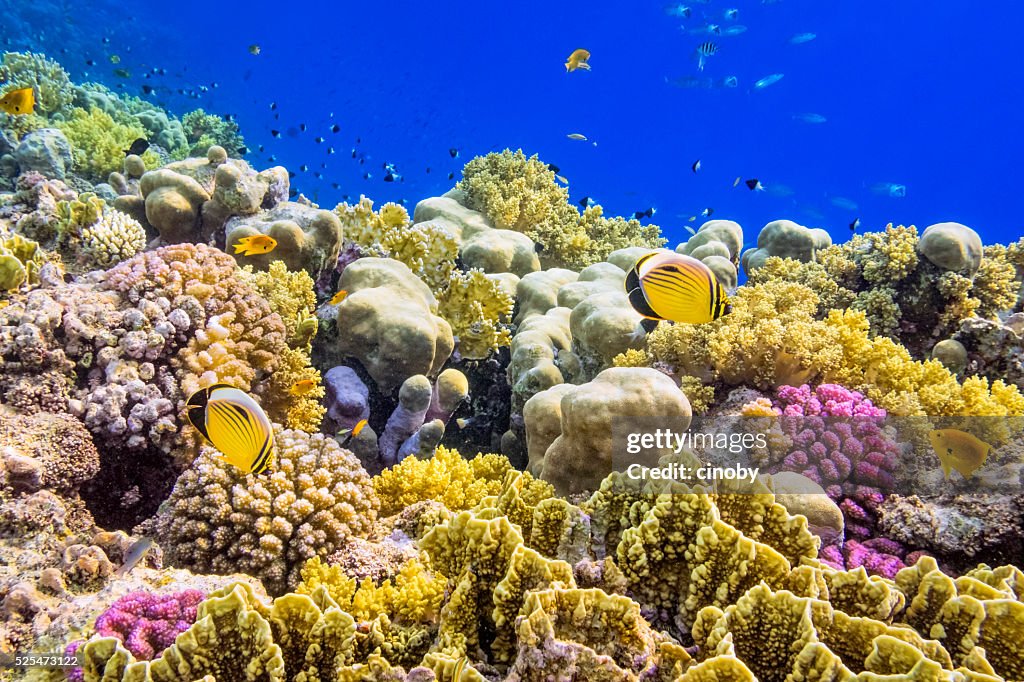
<point>98,142</point>
<point>478,309</point>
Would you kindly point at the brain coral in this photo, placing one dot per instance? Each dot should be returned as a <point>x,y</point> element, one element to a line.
<point>222,521</point>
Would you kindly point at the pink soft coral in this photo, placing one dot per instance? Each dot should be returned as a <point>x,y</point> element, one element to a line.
<point>148,623</point>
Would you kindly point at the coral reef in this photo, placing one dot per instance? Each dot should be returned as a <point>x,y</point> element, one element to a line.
<point>147,624</point>
<point>222,521</point>
<point>46,77</point>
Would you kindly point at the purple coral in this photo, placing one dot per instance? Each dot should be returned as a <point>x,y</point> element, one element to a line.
<point>837,439</point>
<point>148,623</point>
<point>879,556</point>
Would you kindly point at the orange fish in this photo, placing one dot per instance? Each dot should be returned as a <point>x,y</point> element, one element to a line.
<point>349,434</point>
<point>255,245</point>
<point>18,102</point>
<point>302,387</point>
<point>578,60</point>
<point>338,297</point>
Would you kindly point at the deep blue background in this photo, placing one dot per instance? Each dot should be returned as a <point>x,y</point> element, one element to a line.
<point>925,94</point>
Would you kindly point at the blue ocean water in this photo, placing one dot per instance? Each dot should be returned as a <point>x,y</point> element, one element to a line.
<point>925,95</point>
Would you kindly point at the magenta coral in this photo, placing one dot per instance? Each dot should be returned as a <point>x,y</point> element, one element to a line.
<point>880,556</point>
<point>837,439</point>
<point>148,623</point>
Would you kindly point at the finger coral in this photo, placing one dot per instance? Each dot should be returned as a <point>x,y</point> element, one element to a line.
<point>220,520</point>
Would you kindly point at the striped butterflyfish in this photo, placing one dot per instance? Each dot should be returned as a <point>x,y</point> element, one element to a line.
<point>671,286</point>
<point>235,424</point>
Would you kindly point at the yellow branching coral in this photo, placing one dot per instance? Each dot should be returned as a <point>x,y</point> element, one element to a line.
<point>427,248</point>
<point>995,284</point>
<point>520,193</point>
<point>447,477</point>
<point>414,595</point>
<point>294,388</point>
<point>772,338</point>
<point>98,141</point>
<point>812,275</point>
<point>478,309</point>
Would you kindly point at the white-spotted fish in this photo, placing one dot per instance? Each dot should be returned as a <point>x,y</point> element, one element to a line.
<point>235,424</point>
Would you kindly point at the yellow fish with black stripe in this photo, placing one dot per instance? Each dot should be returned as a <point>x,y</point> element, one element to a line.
<point>959,450</point>
<point>235,424</point>
<point>665,285</point>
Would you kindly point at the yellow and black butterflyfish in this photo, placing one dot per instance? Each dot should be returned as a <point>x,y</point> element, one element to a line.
<point>665,285</point>
<point>235,424</point>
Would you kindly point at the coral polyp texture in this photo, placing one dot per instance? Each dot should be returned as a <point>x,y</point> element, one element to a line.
<point>451,389</point>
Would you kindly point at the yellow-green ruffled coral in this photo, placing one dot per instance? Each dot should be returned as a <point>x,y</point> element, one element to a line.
<point>98,141</point>
<point>291,296</point>
<point>20,260</point>
<point>50,81</point>
<point>772,338</point>
<point>520,193</point>
<point>478,309</point>
<point>447,477</point>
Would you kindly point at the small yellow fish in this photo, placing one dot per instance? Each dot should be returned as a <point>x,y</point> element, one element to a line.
<point>255,245</point>
<point>959,450</point>
<point>577,136</point>
<point>460,668</point>
<point>114,59</point>
<point>338,297</point>
<point>578,60</point>
<point>235,424</point>
<point>18,102</point>
<point>461,423</point>
<point>349,434</point>
<point>302,387</point>
<point>254,49</point>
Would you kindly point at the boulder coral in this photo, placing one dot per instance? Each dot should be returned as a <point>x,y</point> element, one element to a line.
<point>785,239</point>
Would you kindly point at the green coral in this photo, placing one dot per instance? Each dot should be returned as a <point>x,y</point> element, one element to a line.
<point>520,193</point>
<point>20,261</point>
<point>53,90</point>
<point>203,130</point>
<point>98,141</point>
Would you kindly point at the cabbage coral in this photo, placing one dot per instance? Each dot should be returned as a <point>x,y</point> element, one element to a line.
<point>203,130</point>
<point>98,141</point>
<point>478,310</point>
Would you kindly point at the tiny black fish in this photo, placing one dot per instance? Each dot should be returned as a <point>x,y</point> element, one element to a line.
<point>260,148</point>
<point>451,176</point>
<point>319,140</point>
<point>428,169</point>
<point>242,151</point>
<point>538,247</point>
<point>753,184</point>
<point>586,202</point>
<point>272,158</point>
<point>389,177</point>
<point>139,146</point>
<point>273,105</point>
<point>90,62</point>
<point>335,128</point>
<point>330,150</point>
<point>276,133</point>
<point>302,127</point>
<point>335,185</point>
<point>303,168</point>
<point>454,153</point>
<point>293,193</point>
<point>319,175</point>
<point>706,213</point>
<point>147,89</point>
<point>646,213</point>
<point>553,168</point>
<point>367,176</point>
<point>353,152</point>
<point>855,224</point>
<point>291,174</point>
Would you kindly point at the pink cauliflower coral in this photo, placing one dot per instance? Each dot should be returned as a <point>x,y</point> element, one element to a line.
<point>838,439</point>
<point>148,623</point>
